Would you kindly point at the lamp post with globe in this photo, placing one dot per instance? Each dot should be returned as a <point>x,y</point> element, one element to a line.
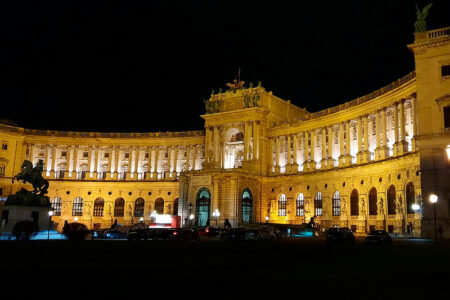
<point>433,199</point>
<point>50,214</point>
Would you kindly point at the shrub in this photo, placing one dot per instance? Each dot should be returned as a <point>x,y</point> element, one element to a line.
<point>76,231</point>
<point>25,230</point>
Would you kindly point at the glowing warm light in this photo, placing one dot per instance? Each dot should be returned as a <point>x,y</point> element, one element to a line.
<point>433,198</point>
<point>267,218</point>
<point>216,213</point>
<point>141,219</point>
<point>191,217</point>
<point>163,219</point>
<point>50,213</point>
<point>76,219</point>
<point>448,151</point>
<point>415,207</point>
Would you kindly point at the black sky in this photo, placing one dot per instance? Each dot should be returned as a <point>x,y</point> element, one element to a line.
<point>146,65</point>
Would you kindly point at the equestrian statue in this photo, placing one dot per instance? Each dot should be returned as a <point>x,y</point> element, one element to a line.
<point>33,176</point>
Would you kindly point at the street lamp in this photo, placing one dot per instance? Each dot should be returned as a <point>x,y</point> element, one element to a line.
<point>448,151</point>
<point>267,219</point>
<point>76,219</point>
<point>191,216</point>
<point>433,199</point>
<point>50,214</point>
<point>216,215</point>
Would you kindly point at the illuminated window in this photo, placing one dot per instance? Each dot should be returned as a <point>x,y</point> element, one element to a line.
<point>336,204</point>
<point>56,205</point>
<point>373,210</point>
<point>99,205</point>
<point>2,170</point>
<point>159,205</point>
<point>391,200</point>
<point>410,197</point>
<point>300,205</point>
<point>318,204</point>
<point>77,208</point>
<point>282,205</point>
<point>447,117</point>
<point>119,207</point>
<point>139,207</point>
<point>354,203</point>
<point>247,206</point>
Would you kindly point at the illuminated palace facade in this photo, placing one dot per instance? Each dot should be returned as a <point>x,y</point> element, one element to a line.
<point>361,164</point>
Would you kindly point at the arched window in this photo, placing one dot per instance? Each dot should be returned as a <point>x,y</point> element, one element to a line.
<point>373,210</point>
<point>300,205</point>
<point>247,206</point>
<point>410,195</point>
<point>354,203</point>
<point>336,204</point>
<point>139,207</point>
<point>77,208</point>
<point>56,205</point>
<point>282,205</point>
<point>119,207</point>
<point>99,205</point>
<point>159,206</point>
<point>175,207</point>
<point>391,200</point>
<point>202,208</point>
<point>318,204</point>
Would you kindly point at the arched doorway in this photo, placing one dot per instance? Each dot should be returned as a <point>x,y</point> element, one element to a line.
<point>159,206</point>
<point>391,200</point>
<point>247,206</point>
<point>202,207</point>
<point>354,203</point>
<point>373,209</point>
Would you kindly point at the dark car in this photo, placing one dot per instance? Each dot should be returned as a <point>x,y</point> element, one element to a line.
<point>340,235</point>
<point>185,234</point>
<point>114,234</point>
<point>140,234</point>
<point>378,237</point>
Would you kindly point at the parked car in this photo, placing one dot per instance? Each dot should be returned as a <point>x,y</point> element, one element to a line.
<point>185,234</point>
<point>114,234</point>
<point>343,235</point>
<point>378,237</point>
<point>140,234</point>
<point>267,233</point>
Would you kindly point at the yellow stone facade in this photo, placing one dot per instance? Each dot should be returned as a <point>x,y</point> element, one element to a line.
<point>361,164</point>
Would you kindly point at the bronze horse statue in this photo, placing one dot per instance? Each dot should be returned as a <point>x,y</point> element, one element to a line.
<point>33,176</point>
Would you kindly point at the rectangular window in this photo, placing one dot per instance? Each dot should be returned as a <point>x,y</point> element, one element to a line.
<point>1,191</point>
<point>146,155</point>
<point>61,174</point>
<point>372,227</point>
<point>353,228</point>
<point>5,216</point>
<point>64,154</point>
<point>445,70</point>
<point>83,174</point>
<point>35,216</point>
<point>106,155</point>
<point>4,146</point>
<point>85,154</point>
<point>447,117</point>
<point>391,228</point>
<point>2,170</point>
<point>127,155</point>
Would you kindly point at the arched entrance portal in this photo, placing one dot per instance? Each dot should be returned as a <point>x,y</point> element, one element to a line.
<point>202,207</point>
<point>247,206</point>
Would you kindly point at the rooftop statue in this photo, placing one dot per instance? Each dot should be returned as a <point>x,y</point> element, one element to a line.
<point>420,25</point>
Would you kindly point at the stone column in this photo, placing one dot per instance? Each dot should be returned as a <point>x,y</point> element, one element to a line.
<point>46,161</point>
<point>148,175</point>
<point>108,168</point>
<point>188,154</point>
<point>414,125</point>
<point>277,154</point>
<point>157,163</point>
<point>75,161</point>
<point>323,162</point>
<point>330,160</point>
<point>348,138</point>
<point>378,134</point>
<point>384,148</point>
<point>359,155</point>
<point>175,162</point>
<point>366,152</point>
<point>169,161</point>
<point>271,146</point>
<point>305,151</point>
<point>68,172</point>
<point>216,146</point>
<point>90,161</point>
<point>96,161</point>
<point>396,125</point>
<point>402,147</point>
<point>54,161</point>
<point>341,145</point>
<point>130,162</point>
<point>116,162</point>
<point>288,154</point>
<point>256,129</point>
<point>295,163</point>
<point>312,163</point>
<point>136,163</point>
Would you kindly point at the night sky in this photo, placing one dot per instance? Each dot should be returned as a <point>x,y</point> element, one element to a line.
<point>145,66</point>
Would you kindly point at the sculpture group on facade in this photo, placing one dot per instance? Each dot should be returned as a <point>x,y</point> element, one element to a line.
<point>421,25</point>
